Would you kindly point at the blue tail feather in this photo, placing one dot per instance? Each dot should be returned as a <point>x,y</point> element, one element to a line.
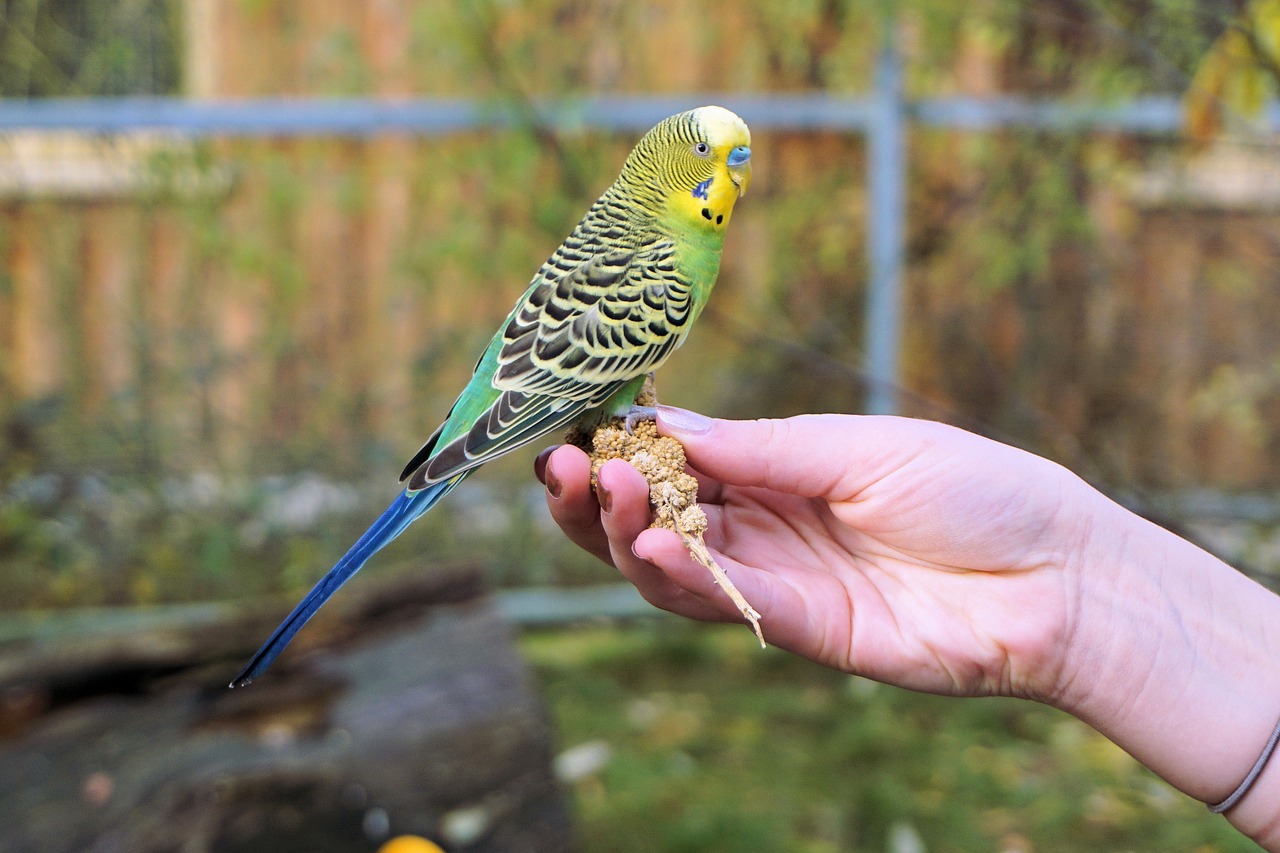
<point>402,512</point>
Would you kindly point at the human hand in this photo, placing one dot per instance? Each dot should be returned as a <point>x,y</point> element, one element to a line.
<point>930,558</point>
<point>903,550</point>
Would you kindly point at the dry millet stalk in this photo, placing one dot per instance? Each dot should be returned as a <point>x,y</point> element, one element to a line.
<point>673,492</point>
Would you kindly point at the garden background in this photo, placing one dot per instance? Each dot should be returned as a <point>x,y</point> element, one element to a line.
<point>217,351</point>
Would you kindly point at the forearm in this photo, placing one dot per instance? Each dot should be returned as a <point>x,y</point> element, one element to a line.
<point>1175,656</point>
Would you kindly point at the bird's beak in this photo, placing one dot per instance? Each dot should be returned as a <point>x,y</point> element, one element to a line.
<point>739,163</point>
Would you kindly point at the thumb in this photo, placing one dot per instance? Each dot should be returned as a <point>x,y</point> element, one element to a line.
<point>828,456</point>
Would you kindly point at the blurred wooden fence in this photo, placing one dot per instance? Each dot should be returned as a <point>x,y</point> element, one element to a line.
<point>284,301</point>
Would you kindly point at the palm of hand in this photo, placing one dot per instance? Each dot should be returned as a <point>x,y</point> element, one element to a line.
<point>863,586</point>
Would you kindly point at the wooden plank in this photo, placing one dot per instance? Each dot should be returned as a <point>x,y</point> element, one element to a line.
<point>105,306</point>
<point>37,360</point>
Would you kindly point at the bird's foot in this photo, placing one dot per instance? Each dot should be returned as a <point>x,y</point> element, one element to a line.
<point>638,414</point>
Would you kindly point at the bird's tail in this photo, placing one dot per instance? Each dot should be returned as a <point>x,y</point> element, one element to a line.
<point>403,510</point>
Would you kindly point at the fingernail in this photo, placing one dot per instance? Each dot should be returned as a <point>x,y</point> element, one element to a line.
<point>683,420</point>
<point>605,497</point>
<point>540,462</point>
<point>554,486</point>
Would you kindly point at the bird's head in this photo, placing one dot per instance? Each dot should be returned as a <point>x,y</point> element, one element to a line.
<point>699,162</point>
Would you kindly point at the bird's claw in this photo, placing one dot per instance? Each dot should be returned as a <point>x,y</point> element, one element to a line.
<point>638,414</point>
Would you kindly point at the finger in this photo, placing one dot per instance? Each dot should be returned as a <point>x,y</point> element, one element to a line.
<point>540,463</point>
<point>829,456</point>
<point>714,535</point>
<point>710,490</point>
<point>785,612</point>
<point>625,515</point>
<point>675,581</point>
<point>624,507</point>
<point>657,588</point>
<point>573,505</point>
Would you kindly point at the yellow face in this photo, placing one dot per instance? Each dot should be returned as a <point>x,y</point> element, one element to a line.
<point>721,149</point>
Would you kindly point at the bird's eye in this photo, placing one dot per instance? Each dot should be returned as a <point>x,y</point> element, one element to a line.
<point>702,149</point>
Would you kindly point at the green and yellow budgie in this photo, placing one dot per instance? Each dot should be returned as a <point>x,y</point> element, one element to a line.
<point>608,307</point>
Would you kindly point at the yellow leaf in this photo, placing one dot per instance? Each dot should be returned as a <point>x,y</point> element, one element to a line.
<point>1237,74</point>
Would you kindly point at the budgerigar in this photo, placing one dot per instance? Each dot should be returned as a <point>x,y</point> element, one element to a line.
<point>608,307</point>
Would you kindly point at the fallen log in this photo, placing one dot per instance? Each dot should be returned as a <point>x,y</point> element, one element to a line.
<point>405,709</point>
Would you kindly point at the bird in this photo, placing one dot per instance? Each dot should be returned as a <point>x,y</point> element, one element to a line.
<point>606,309</point>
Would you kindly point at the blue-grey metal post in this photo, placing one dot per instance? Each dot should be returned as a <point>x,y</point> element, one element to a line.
<point>886,218</point>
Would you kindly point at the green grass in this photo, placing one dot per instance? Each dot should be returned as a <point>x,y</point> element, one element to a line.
<point>715,745</point>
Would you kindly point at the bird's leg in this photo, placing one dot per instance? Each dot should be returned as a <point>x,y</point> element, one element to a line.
<point>638,414</point>
<point>645,407</point>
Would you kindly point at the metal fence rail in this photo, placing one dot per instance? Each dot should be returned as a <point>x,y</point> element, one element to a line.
<point>884,115</point>
<point>1158,115</point>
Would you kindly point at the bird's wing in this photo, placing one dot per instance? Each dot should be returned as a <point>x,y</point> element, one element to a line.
<point>594,320</point>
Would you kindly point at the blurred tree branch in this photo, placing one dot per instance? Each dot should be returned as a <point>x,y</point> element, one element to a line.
<point>490,55</point>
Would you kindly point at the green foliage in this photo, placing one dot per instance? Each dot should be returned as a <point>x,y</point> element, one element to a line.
<point>107,541</point>
<point>714,745</point>
<point>71,539</point>
<point>55,48</point>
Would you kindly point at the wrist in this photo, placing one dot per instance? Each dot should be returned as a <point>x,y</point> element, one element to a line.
<point>1173,656</point>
